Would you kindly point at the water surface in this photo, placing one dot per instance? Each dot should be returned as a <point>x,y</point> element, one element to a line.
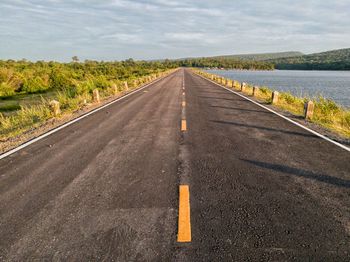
<point>330,84</point>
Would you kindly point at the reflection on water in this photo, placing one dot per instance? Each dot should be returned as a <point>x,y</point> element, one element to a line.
<point>330,84</point>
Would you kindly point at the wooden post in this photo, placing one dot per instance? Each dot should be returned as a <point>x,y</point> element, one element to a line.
<point>96,96</point>
<point>233,83</point>
<point>309,109</point>
<point>55,107</point>
<point>126,85</point>
<point>243,86</point>
<point>275,95</point>
<point>255,90</point>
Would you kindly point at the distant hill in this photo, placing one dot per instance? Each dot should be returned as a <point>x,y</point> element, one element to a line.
<point>263,56</point>
<point>330,60</point>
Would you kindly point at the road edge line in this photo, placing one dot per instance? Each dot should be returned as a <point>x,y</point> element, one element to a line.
<point>280,115</point>
<point>56,129</point>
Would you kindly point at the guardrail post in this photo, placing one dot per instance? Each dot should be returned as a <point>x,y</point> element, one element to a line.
<point>255,90</point>
<point>309,109</point>
<point>126,85</point>
<point>55,107</point>
<point>96,96</point>
<point>275,95</point>
<point>243,86</point>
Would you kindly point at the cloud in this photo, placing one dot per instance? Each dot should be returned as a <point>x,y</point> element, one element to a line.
<point>146,29</point>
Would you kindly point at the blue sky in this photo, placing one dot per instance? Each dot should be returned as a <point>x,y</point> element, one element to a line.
<point>120,29</point>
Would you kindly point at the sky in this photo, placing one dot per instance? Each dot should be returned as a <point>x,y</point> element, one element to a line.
<point>155,29</point>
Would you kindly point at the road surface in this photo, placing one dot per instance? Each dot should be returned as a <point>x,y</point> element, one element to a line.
<point>106,188</point>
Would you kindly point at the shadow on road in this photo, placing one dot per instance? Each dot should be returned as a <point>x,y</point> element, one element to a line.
<point>242,109</point>
<point>214,92</point>
<point>265,128</point>
<point>238,99</point>
<point>302,173</point>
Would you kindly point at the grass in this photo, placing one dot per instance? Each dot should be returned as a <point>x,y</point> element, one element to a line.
<point>24,119</point>
<point>326,113</point>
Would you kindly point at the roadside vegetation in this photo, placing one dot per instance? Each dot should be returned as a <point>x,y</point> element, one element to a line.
<point>326,112</point>
<point>225,62</point>
<point>26,88</point>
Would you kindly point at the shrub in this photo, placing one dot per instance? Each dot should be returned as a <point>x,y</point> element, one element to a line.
<point>6,90</point>
<point>101,82</point>
<point>35,85</point>
<point>60,81</point>
<point>83,87</point>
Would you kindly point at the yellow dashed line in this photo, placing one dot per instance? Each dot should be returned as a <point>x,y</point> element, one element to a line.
<point>184,227</point>
<point>183,125</point>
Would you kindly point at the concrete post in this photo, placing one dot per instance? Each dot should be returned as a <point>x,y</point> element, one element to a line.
<point>309,109</point>
<point>255,90</point>
<point>275,95</point>
<point>126,85</point>
<point>55,107</point>
<point>96,96</point>
<point>243,86</point>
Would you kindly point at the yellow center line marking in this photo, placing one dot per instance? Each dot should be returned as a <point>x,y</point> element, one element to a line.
<point>184,227</point>
<point>183,103</point>
<point>183,125</point>
<point>183,93</point>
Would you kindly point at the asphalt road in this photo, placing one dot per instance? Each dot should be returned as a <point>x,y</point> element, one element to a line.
<point>106,188</point>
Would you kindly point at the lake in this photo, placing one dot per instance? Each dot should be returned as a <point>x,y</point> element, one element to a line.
<point>330,84</point>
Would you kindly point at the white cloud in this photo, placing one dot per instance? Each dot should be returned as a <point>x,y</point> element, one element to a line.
<point>118,29</point>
